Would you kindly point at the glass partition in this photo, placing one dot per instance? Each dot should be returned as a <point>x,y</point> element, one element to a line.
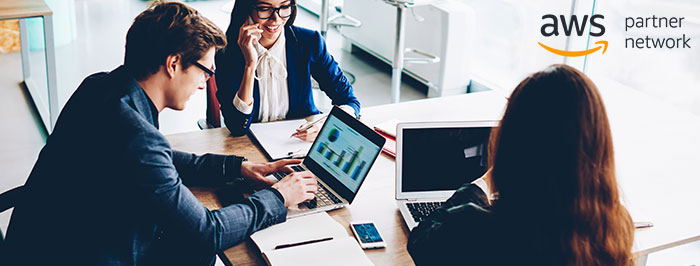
<point>670,72</point>
<point>505,46</point>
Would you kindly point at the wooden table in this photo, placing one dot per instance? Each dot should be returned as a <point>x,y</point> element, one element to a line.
<point>375,200</point>
<point>23,10</point>
<point>376,189</point>
<point>656,152</point>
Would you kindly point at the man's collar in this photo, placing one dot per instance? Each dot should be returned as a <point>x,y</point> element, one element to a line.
<point>140,100</point>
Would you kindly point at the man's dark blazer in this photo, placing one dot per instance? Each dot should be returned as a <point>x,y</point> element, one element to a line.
<point>108,189</point>
<point>307,56</point>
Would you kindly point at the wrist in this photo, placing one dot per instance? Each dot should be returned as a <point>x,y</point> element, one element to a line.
<point>249,68</point>
<point>233,167</point>
<point>244,99</point>
<point>243,168</point>
<point>278,192</point>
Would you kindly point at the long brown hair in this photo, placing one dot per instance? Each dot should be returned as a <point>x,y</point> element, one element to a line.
<point>554,172</point>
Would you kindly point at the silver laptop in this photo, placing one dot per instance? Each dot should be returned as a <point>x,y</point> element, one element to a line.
<point>340,158</point>
<point>433,159</point>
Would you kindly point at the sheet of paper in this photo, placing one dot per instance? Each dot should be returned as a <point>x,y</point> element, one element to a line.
<point>299,229</point>
<point>275,138</point>
<point>340,252</point>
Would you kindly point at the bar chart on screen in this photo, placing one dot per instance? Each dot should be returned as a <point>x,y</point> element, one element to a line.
<point>343,152</point>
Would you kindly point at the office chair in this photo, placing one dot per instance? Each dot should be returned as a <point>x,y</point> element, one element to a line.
<point>213,119</point>
<point>8,200</point>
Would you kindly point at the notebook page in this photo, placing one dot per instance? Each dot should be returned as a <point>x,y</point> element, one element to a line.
<point>309,227</point>
<point>338,252</point>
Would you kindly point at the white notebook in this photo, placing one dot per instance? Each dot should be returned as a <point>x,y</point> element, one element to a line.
<point>276,141</point>
<point>342,249</point>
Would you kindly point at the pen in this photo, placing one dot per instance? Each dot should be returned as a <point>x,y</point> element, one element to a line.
<point>303,243</point>
<point>638,225</point>
<point>305,128</point>
<point>295,155</point>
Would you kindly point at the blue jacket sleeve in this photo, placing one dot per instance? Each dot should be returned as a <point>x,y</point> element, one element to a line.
<point>180,214</point>
<point>330,77</point>
<point>229,73</point>
<point>208,169</point>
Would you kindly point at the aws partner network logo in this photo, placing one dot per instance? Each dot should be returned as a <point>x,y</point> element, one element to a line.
<point>552,29</point>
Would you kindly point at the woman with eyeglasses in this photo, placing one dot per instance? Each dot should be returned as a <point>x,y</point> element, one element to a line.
<point>264,74</point>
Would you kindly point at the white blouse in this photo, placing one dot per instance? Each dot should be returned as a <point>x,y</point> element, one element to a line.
<point>271,73</point>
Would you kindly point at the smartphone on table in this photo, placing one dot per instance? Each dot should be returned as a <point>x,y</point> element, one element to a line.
<point>367,235</point>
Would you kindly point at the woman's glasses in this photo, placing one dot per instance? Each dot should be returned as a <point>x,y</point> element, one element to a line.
<point>266,12</point>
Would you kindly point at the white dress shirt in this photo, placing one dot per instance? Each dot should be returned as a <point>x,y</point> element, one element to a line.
<point>271,73</point>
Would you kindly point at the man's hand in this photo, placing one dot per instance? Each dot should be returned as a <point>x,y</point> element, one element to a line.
<point>297,187</point>
<point>256,172</point>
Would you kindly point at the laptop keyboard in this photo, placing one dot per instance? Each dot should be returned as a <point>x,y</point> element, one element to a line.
<point>323,196</point>
<point>280,175</point>
<point>421,210</point>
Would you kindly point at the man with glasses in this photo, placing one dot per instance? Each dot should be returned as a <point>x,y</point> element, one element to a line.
<point>207,72</point>
<point>107,188</point>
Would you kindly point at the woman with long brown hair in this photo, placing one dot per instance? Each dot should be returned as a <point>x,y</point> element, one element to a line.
<point>553,177</point>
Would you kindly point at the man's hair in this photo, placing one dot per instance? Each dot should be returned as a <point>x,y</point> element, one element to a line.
<point>168,28</point>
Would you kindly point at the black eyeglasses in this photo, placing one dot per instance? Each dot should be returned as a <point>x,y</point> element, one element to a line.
<point>207,72</point>
<point>266,12</point>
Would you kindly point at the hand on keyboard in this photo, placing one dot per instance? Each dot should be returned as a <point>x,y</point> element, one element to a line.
<point>256,172</point>
<point>323,198</point>
<point>297,187</point>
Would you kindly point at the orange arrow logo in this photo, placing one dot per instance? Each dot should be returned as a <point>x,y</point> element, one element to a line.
<point>603,44</point>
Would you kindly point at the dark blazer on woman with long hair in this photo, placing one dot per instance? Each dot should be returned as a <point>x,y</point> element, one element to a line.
<point>553,169</point>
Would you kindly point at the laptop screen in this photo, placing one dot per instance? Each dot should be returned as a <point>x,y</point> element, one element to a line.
<point>443,158</point>
<point>344,150</point>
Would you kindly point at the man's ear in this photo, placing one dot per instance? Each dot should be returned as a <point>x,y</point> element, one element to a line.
<point>172,62</point>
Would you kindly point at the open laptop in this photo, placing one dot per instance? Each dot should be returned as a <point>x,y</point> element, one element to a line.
<point>433,159</point>
<point>340,157</point>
